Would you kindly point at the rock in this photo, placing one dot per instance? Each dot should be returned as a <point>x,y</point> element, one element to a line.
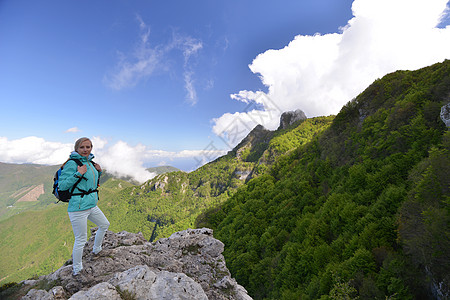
<point>38,294</point>
<point>147,284</point>
<point>102,291</point>
<point>56,293</point>
<point>290,117</point>
<point>445,114</point>
<point>187,265</point>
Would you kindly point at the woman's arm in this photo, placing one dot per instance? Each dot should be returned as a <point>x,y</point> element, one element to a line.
<point>69,175</point>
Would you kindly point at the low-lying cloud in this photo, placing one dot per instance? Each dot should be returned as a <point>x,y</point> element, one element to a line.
<point>33,150</point>
<point>120,158</point>
<point>319,74</point>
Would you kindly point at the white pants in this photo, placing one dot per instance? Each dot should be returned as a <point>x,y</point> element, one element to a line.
<point>79,226</point>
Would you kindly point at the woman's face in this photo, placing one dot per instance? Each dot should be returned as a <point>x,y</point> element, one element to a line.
<point>85,148</point>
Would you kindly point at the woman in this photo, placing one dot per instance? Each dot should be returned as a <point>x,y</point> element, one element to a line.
<point>83,204</point>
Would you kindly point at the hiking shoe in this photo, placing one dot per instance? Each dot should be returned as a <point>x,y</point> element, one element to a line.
<point>81,275</point>
<point>102,253</point>
<point>95,256</point>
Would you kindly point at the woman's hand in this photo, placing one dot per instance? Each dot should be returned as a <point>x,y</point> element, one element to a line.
<point>82,169</point>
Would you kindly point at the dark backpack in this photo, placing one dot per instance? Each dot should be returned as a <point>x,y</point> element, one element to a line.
<point>64,196</point>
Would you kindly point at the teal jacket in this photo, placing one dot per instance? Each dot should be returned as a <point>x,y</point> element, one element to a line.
<point>70,175</point>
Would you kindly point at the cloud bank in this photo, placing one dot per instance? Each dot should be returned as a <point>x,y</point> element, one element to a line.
<point>146,59</point>
<point>319,74</point>
<point>33,150</point>
<point>119,159</point>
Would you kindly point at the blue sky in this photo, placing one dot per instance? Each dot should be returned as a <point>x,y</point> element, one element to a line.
<point>171,82</point>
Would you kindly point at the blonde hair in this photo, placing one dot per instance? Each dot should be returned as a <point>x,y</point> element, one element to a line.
<point>81,140</point>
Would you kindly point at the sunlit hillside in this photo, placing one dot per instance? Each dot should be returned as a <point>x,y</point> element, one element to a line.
<point>360,212</point>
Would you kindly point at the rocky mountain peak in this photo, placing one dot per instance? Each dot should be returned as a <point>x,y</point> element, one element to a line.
<point>258,135</point>
<point>187,265</point>
<point>290,117</point>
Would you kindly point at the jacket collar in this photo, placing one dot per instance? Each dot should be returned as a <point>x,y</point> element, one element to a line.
<point>76,155</point>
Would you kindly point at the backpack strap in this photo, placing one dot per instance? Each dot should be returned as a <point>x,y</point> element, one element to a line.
<point>98,179</point>
<point>83,192</point>
<point>79,163</point>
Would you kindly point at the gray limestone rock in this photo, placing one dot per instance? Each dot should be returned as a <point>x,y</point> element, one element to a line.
<point>38,294</point>
<point>56,293</point>
<point>148,284</point>
<point>187,265</point>
<point>101,291</point>
<point>445,114</point>
<point>290,117</point>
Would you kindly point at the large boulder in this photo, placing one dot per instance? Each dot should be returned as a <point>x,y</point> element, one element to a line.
<point>187,265</point>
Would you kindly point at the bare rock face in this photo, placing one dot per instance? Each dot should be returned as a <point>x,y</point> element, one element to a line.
<point>445,114</point>
<point>290,117</point>
<point>187,265</point>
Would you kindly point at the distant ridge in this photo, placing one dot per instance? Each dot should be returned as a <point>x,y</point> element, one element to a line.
<point>162,169</point>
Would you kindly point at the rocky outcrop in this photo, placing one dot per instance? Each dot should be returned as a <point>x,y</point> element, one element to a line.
<point>256,141</point>
<point>445,114</point>
<point>187,265</point>
<point>290,117</point>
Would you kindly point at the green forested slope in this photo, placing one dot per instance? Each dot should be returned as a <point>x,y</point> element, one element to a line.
<point>362,211</point>
<point>172,202</point>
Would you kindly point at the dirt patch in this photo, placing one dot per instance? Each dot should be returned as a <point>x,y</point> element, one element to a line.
<point>33,194</point>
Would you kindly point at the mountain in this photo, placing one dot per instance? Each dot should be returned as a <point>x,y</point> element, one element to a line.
<point>172,201</point>
<point>162,169</point>
<point>340,207</point>
<point>158,170</point>
<point>34,243</point>
<point>359,212</point>
<point>21,186</point>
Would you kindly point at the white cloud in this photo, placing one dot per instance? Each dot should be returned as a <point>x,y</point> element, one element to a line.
<point>147,59</point>
<point>122,159</point>
<point>319,74</point>
<point>98,142</point>
<point>191,93</point>
<point>73,130</point>
<point>119,158</point>
<point>132,68</point>
<point>33,150</point>
<point>190,48</point>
